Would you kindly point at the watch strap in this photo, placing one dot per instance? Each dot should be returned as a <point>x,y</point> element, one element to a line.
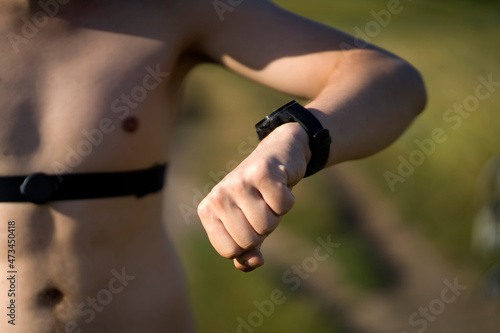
<point>319,137</point>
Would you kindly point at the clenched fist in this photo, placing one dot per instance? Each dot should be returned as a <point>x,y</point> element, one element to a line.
<point>247,205</point>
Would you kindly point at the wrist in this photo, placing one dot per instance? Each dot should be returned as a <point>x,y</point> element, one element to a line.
<point>296,136</point>
<point>319,137</point>
<point>291,143</point>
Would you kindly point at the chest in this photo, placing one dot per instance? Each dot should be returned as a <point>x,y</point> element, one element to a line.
<point>72,73</point>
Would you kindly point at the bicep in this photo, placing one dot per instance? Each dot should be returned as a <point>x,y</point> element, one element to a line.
<point>274,47</point>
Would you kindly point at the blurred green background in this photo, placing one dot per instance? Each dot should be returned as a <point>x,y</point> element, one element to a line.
<point>452,43</point>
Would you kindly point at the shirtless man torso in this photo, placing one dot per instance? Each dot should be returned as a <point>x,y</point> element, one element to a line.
<point>93,86</point>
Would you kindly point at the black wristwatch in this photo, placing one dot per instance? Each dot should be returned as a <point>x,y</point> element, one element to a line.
<point>319,137</point>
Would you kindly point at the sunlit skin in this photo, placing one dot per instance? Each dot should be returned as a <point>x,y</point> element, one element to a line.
<point>84,65</point>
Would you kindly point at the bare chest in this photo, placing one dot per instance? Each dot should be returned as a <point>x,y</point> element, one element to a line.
<point>96,85</point>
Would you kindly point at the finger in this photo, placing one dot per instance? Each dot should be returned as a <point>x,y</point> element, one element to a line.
<point>260,216</point>
<point>227,226</point>
<point>225,200</point>
<point>273,188</point>
<point>278,197</point>
<point>219,237</point>
<point>249,260</point>
<point>239,228</point>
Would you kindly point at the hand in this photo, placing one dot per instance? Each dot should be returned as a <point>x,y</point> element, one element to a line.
<point>247,205</point>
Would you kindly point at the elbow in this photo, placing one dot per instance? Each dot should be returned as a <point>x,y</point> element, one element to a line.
<point>396,79</point>
<point>411,87</point>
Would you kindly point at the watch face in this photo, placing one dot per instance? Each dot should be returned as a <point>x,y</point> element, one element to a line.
<point>264,127</point>
<point>275,119</point>
<point>269,124</point>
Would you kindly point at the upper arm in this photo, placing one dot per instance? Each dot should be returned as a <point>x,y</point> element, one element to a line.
<point>274,47</point>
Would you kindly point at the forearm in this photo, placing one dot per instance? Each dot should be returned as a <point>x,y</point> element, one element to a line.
<point>367,103</point>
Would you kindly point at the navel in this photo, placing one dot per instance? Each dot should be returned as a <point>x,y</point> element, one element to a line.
<point>130,124</point>
<point>49,297</point>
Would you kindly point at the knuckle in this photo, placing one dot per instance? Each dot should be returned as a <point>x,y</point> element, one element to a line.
<point>259,170</point>
<point>238,185</point>
<point>218,196</point>
<point>203,210</point>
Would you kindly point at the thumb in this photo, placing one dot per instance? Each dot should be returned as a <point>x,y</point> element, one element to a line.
<point>249,260</point>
